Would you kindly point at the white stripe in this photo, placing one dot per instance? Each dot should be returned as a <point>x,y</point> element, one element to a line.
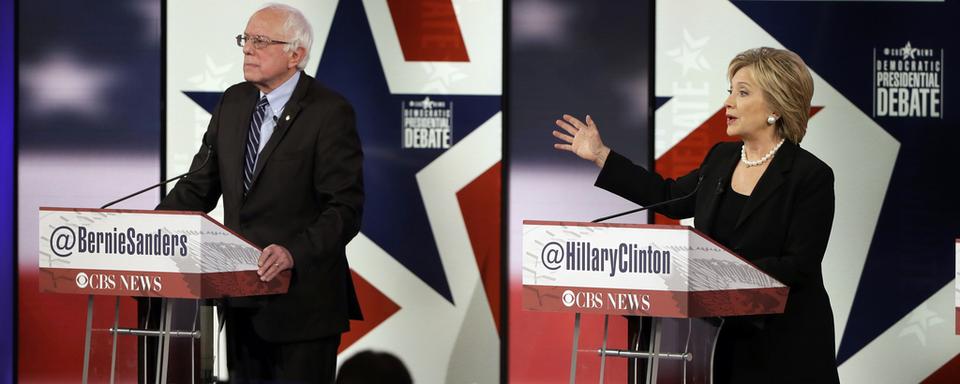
<point>910,350</point>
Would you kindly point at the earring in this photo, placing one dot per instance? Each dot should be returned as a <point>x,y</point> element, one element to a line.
<point>771,119</point>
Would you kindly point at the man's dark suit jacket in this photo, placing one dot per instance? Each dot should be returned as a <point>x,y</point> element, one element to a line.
<point>783,229</point>
<point>306,195</point>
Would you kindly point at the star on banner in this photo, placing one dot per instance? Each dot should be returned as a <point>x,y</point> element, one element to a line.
<point>908,51</point>
<point>689,54</point>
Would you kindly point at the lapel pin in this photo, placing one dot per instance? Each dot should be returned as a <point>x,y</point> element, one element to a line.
<point>287,118</point>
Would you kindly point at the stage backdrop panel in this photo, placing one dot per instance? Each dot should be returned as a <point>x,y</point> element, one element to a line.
<point>427,260</point>
<point>888,267</point>
<point>88,132</point>
<point>578,58</point>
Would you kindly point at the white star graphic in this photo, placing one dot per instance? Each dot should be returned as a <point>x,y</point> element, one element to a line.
<point>212,76</point>
<point>919,323</point>
<point>908,51</point>
<point>61,83</point>
<point>442,76</point>
<point>689,54</point>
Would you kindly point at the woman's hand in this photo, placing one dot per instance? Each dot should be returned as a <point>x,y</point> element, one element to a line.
<point>582,139</point>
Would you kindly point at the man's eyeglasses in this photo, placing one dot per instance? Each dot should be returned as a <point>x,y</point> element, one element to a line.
<point>258,41</point>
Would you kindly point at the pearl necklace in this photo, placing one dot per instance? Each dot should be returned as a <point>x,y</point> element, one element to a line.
<point>743,155</point>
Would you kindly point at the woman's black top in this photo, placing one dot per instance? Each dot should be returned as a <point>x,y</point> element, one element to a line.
<point>731,204</point>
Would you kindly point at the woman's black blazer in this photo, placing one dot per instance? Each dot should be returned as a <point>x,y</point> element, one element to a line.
<point>783,229</point>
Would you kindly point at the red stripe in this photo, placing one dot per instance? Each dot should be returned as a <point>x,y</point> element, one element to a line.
<point>428,30</point>
<point>949,373</point>
<point>480,206</point>
<point>376,308</point>
<point>172,285</point>
<point>736,302</point>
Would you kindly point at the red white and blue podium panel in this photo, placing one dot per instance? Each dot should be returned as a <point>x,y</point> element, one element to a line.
<point>648,270</point>
<point>147,253</point>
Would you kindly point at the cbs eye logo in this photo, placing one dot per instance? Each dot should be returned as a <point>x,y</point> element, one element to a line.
<point>82,280</point>
<point>568,298</point>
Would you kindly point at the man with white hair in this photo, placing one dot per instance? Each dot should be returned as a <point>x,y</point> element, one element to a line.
<point>285,155</point>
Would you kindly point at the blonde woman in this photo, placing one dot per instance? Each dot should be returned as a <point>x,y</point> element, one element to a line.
<point>765,198</point>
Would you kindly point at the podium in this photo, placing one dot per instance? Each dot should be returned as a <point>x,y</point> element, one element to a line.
<point>141,253</point>
<point>664,272</point>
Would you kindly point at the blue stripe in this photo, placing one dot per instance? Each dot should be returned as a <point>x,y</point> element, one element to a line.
<point>7,251</point>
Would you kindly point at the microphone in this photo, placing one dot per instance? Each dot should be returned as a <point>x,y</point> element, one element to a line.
<point>202,164</point>
<point>665,202</point>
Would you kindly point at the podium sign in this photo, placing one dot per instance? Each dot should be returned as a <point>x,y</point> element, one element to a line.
<point>147,253</point>
<point>646,270</point>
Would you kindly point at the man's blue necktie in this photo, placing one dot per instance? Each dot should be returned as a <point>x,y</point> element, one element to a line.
<point>253,143</point>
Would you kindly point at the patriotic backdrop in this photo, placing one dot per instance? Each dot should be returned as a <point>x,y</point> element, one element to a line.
<point>427,261</point>
<point>889,265</point>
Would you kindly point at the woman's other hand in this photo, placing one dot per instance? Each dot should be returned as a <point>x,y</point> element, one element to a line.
<point>583,139</point>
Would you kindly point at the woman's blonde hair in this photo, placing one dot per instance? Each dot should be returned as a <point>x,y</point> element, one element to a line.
<point>786,83</point>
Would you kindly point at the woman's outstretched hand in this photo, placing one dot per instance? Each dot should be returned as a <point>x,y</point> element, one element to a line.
<point>583,139</point>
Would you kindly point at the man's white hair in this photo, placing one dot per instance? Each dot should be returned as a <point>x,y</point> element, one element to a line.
<point>296,29</point>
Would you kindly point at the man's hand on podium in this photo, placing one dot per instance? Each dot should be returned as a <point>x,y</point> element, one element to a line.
<point>273,260</point>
